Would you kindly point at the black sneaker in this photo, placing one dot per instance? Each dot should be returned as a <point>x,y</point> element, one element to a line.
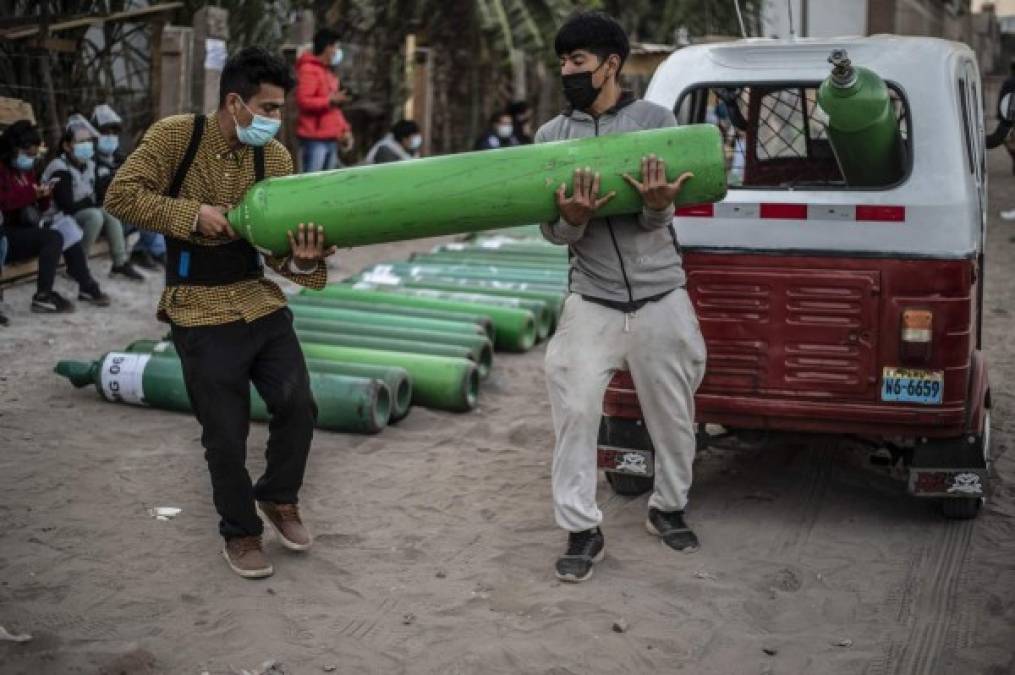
<point>50,302</point>
<point>671,528</point>
<point>584,549</point>
<point>94,296</point>
<point>127,270</point>
<point>144,260</point>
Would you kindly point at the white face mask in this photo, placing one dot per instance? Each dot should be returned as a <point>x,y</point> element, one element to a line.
<point>505,130</point>
<point>415,142</point>
<point>338,56</point>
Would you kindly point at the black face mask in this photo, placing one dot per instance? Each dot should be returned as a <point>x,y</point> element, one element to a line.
<point>579,90</point>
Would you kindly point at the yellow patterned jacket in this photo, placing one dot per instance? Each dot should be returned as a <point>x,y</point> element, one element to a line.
<point>219,176</point>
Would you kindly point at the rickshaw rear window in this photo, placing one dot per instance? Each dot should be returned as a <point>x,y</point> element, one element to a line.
<point>776,135</point>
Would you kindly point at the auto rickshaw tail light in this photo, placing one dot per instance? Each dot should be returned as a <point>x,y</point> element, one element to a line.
<point>917,335</point>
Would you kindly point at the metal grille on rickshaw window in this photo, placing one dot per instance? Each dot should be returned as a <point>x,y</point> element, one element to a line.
<point>776,137</point>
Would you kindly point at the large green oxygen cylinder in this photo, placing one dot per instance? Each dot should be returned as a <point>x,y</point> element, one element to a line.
<point>543,315</point>
<point>481,355</point>
<point>488,272</point>
<point>316,299</point>
<point>437,381</point>
<point>397,379</point>
<point>479,344</point>
<point>383,274</point>
<point>527,264</point>
<point>473,191</point>
<point>862,127</point>
<point>349,404</point>
<point>385,320</point>
<point>515,329</point>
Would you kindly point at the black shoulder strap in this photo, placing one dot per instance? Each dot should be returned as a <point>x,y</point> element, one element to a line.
<point>258,164</point>
<point>188,157</point>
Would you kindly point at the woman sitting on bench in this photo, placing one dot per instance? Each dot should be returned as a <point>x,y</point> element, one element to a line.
<point>23,201</point>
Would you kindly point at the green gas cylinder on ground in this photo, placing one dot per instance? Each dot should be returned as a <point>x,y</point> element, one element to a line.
<point>862,127</point>
<point>397,379</point>
<point>317,299</point>
<point>472,191</point>
<point>349,404</point>
<point>387,321</point>
<point>515,329</point>
<point>438,382</point>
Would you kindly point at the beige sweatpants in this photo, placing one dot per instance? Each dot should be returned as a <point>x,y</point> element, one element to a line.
<point>662,346</point>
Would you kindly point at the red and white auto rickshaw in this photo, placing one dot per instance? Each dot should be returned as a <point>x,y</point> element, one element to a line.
<point>828,307</point>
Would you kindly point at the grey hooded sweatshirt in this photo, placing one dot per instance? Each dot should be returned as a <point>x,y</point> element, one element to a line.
<point>619,261</point>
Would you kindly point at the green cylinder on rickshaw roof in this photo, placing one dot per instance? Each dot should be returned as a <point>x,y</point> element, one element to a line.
<point>438,382</point>
<point>385,321</point>
<point>397,379</point>
<point>481,355</point>
<point>348,404</point>
<point>488,272</point>
<point>546,320</point>
<point>514,329</point>
<point>472,191</point>
<point>479,344</point>
<point>316,299</point>
<point>862,127</point>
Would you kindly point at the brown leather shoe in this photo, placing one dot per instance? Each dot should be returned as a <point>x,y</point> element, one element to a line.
<point>285,519</point>
<point>246,558</point>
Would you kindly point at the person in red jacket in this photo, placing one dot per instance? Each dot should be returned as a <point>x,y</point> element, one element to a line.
<point>322,126</point>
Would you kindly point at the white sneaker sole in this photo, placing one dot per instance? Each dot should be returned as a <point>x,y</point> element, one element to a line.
<point>289,544</point>
<point>571,579</point>
<point>249,574</point>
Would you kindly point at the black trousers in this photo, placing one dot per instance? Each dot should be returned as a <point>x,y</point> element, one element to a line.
<point>219,364</point>
<point>45,244</point>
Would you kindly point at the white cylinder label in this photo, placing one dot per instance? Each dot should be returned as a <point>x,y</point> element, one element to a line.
<point>121,377</point>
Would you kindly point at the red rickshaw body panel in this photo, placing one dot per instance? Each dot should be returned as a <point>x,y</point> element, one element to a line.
<point>799,342</point>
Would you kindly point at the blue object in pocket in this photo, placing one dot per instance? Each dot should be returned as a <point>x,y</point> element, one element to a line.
<point>184,268</point>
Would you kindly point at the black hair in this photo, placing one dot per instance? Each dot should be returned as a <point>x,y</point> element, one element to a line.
<point>18,136</point>
<point>517,108</point>
<point>495,117</point>
<point>323,38</point>
<point>402,129</point>
<point>595,32</point>
<point>248,68</point>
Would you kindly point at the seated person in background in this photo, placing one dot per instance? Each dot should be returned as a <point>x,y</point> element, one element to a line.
<point>499,135</point>
<point>150,250</point>
<point>521,117</point>
<point>23,200</point>
<point>403,142</point>
<point>74,194</point>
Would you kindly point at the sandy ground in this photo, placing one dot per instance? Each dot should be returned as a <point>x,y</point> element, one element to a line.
<point>435,540</point>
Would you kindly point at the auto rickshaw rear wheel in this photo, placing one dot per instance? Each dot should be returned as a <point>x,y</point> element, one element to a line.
<point>967,508</point>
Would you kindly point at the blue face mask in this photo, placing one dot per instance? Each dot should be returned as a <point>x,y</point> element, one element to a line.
<point>84,150</point>
<point>108,143</point>
<point>261,130</point>
<point>337,58</point>
<point>24,162</point>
